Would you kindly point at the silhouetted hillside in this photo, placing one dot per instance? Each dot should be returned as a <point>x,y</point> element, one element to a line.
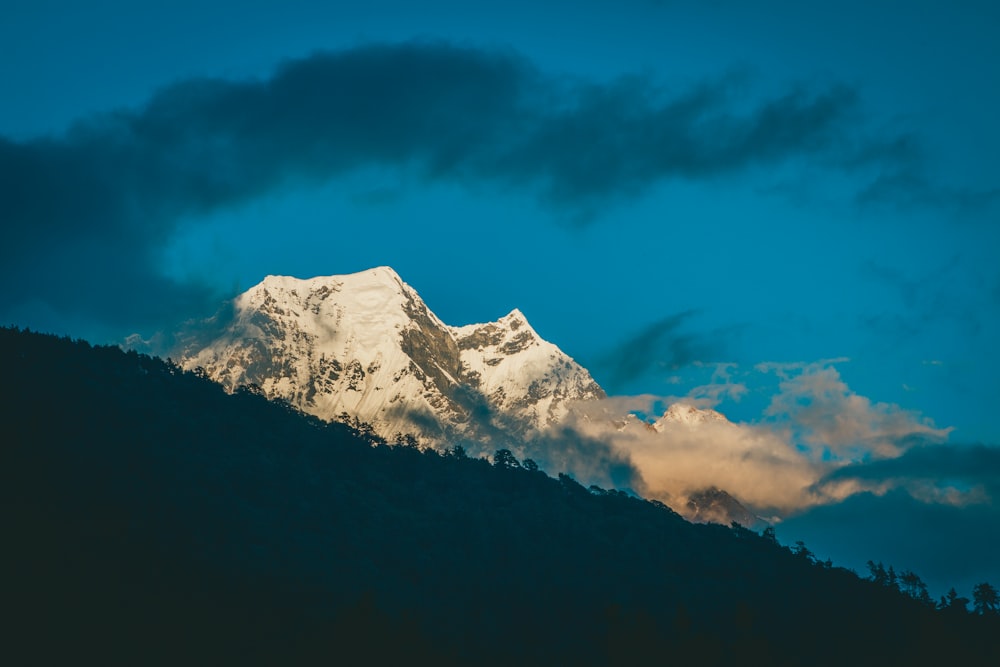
<point>151,518</point>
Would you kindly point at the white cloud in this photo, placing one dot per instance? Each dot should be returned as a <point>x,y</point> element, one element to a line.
<point>755,464</point>
<point>710,395</point>
<point>832,422</point>
<point>785,369</point>
<point>813,426</point>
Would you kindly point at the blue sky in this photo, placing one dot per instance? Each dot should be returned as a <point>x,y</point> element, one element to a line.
<point>661,187</point>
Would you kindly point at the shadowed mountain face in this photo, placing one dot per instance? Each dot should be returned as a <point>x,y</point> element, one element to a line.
<point>713,505</point>
<point>151,518</point>
<point>365,346</point>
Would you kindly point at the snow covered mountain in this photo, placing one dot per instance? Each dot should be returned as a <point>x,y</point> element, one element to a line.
<point>689,415</point>
<point>366,346</point>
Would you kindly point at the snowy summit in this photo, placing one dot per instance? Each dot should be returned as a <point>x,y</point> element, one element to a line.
<point>365,345</point>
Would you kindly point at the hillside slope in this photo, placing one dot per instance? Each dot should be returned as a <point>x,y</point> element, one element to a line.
<point>154,519</point>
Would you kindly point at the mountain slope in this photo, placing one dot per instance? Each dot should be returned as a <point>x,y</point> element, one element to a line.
<point>159,520</point>
<point>366,346</point>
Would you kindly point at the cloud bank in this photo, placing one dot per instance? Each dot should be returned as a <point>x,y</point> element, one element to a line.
<point>88,212</point>
<point>818,443</point>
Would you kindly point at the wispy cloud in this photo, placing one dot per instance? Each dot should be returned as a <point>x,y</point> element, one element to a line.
<point>901,179</point>
<point>936,296</point>
<point>665,345</point>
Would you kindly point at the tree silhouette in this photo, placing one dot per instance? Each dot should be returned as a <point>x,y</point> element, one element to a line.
<point>456,452</point>
<point>504,458</point>
<point>985,598</point>
<point>953,602</point>
<point>892,579</point>
<point>803,552</point>
<point>912,585</point>
<point>877,573</point>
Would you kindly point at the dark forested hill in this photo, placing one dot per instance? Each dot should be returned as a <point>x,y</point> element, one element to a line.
<point>150,518</point>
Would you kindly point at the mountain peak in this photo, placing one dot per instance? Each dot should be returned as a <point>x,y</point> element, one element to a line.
<point>516,321</point>
<point>689,415</point>
<point>365,344</point>
<point>513,320</point>
<point>378,275</point>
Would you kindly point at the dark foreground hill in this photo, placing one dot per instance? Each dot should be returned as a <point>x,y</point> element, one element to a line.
<point>150,518</point>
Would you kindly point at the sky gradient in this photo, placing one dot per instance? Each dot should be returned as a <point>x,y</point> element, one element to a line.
<point>786,212</point>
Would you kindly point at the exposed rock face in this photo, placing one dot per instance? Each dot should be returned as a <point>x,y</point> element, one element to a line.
<point>713,505</point>
<point>365,345</point>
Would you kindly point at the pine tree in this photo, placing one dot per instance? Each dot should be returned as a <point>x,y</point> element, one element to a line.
<point>985,598</point>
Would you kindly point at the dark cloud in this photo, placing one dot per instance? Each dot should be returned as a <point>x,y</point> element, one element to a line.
<point>87,213</point>
<point>607,141</point>
<point>892,169</point>
<point>902,180</point>
<point>663,345</point>
<point>937,296</point>
<point>918,291</point>
<point>970,472</point>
